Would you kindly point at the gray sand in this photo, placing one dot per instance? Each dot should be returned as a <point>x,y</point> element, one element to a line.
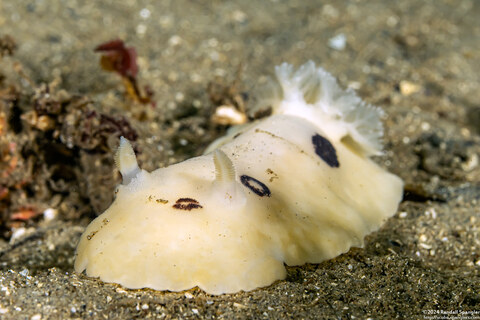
<point>418,60</point>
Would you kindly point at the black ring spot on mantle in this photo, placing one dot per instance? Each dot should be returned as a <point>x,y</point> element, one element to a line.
<point>259,188</point>
<point>325,150</point>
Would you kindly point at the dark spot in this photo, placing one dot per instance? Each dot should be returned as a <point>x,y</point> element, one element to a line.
<point>90,236</point>
<point>395,243</point>
<point>187,204</point>
<point>263,112</point>
<point>417,193</point>
<point>93,233</point>
<point>325,150</point>
<point>274,175</point>
<point>256,186</point>
<point>14,119</point>
<point>157,200</point>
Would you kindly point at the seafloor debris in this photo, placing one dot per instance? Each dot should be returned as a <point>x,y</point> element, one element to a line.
<point>116,57</point>
<point>55,152</point>
<point>447,157</point>
<point>7,46</point>
<point>228,100</point>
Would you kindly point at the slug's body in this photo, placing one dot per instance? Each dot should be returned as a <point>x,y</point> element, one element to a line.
<point>295,187</point>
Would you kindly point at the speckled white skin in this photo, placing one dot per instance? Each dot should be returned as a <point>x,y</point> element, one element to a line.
<point>233,239</point>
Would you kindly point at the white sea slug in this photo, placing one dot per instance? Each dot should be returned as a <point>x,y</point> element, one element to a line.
<point>295,187</point>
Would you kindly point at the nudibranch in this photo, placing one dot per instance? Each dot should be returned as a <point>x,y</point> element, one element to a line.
<point>296,187</point>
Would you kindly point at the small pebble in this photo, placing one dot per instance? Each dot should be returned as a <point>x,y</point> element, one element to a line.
<point>24,272</point>
<point>239,16</point>
<point>141,29</point>
<point>17,233</point>
<point>425,126</point>
<point>174,41</point>
<point>339,42</point>
<point>430,212</point>
<point>50,214</point>
<point>392,21</point>
<point>145,13</point>
<point>179,97</point>
<point>356,85</point>
<point>425,246</point>
<point>212,42</point>
<point>407,88</point>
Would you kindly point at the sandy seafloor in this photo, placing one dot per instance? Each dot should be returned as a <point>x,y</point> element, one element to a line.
<point>418,60</point>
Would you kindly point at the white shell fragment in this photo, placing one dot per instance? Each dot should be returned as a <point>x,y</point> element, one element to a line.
<point>293,188</point>
<point>228,115</point>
